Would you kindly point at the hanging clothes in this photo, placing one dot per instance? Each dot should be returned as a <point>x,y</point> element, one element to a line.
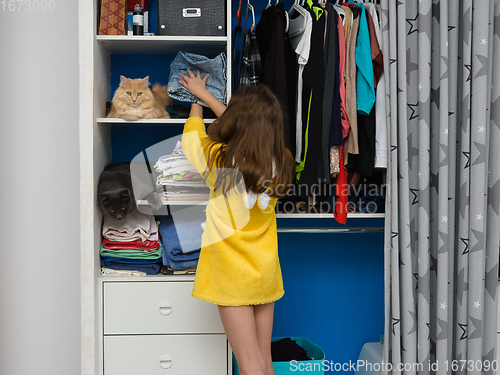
<point>364,162</point>
<point>312,99</point>
<point>350,86</point>
<point>342,54</point>
<point>380,116</point>
<point>365,89</point>
<point>330,104</point>
<point>251,64</point>
<point>336,118</point>
<point>377,57</point>
<point>237,30</point>
<point>302,50</point>
<point>339,68</point>
<point>279,65</point>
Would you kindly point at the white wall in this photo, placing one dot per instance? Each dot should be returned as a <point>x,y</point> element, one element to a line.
<point>39,190</point>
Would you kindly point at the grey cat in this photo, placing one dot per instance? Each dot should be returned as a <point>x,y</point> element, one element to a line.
<point>116,194</point>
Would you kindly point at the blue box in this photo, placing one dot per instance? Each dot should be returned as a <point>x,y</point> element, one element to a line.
<point>314,366</point>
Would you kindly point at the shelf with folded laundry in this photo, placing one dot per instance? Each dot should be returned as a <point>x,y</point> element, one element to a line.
<point>130,246</point>
<point>164,45</point>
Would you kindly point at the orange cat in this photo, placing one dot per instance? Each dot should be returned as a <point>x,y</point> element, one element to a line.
<point>134,100</point>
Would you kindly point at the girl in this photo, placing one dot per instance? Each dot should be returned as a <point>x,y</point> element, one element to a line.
<point>246,165</point>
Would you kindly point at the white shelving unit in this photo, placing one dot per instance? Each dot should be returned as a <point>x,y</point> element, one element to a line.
<point>105,336</point>
<point>99,294</point>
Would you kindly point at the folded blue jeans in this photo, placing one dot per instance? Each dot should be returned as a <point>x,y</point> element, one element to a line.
<point>216,83</point>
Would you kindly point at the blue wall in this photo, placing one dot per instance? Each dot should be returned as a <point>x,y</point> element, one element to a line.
<point>334,286</point>
<point>334,294</point>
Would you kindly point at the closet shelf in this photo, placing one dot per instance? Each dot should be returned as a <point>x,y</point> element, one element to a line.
<point>147,278</point>
<point>162,45</point>
<point>353,215</point>
<point>168,121</point>
<point>175,203</point>
<point>354,230</point>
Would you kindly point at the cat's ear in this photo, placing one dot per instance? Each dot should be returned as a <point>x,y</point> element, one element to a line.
<point>125,194</point>
<point>146,80</point>
<point>104,198</point>
<point>124,80</point>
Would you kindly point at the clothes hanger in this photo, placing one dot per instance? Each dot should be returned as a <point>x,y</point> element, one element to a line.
<point>315,7</point>
<point>269,3</point>
<point>286,14</point>
<point>250,6</point>
<point>298,24</point>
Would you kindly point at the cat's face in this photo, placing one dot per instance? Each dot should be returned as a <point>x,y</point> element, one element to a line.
<point>116,204</point>
<point>134,91</point>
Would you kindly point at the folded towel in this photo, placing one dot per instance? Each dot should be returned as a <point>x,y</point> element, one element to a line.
<point>133,245</point>
<point>180,257</point>
<point>131,254</point>
<point>106,261</point>
<point>176,264</point>
<point>150,269</point>
<point>181,232</point>
<point>109,272</point>
<point>135,226</point>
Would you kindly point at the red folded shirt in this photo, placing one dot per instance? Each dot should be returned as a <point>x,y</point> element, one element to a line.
<point>134,245</point>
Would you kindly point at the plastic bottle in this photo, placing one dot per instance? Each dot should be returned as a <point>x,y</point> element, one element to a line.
<point>138,20</point>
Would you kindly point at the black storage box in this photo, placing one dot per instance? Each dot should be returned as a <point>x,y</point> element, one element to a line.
<point>192,17</point>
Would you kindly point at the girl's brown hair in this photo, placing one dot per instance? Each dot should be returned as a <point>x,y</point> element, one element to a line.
<point>248,136</point>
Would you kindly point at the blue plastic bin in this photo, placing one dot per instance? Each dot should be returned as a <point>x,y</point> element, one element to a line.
<point>314,366</point>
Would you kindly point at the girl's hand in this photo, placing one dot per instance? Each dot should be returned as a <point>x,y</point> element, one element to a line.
<point>194,84</point>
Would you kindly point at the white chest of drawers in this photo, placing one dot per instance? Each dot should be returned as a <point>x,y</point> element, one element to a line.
<point>153,326</point>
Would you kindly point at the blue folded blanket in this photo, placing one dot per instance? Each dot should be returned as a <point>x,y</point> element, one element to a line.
<point>181,233</point>
<point>178,264</point>
<point>129,265</point>
<point>107,260</point>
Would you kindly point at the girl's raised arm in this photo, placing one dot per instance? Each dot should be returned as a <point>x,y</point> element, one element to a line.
<point>197,86</point>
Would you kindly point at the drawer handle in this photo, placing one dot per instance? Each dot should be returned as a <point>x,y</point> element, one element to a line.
<point>165,361</point>
<point>165,307</point>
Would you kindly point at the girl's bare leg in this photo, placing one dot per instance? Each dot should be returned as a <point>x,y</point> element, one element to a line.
<point>241,331</point>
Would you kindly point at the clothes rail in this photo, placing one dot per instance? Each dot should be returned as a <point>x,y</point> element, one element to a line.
<point>333,230</point>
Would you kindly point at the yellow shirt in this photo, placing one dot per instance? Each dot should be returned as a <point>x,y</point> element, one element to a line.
<point>238,262</point>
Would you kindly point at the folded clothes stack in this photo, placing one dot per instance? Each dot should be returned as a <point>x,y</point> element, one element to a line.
<point>181,241</point>
<point>134,227</point>
<point>130,246</point>
<point>178,179</point>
